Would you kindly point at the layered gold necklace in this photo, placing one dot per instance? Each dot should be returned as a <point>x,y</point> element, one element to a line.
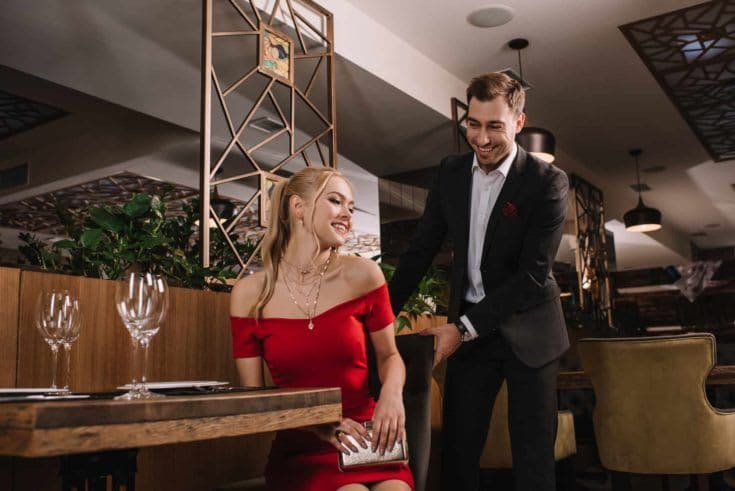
<point>304,293</point>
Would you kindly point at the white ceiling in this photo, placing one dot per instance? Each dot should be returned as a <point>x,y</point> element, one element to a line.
<point>590,88</point>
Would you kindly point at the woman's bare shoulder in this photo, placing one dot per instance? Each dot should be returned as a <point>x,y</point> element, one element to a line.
<point>364,275</point>
<point>245,294</point>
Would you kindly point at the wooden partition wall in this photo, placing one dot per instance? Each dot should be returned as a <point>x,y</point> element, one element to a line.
<point>9,290</point>
<point>193,344</point>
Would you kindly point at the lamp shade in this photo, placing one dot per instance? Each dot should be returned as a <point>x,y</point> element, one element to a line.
<point>223,208</point>
<point>642,218</point>
<point>539,142</point>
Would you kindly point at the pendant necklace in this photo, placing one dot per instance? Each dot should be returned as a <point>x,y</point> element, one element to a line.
<point>309,309</point>
<point>301,270</point>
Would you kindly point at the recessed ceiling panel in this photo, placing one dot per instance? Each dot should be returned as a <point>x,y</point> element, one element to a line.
<point>691,52</point>
<point>19,114</point>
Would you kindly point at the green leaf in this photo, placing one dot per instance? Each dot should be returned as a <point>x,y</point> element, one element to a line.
<point>138,206</point>
<point>401,323</point>
<point>129,256</point>
<point>151,241</point>
<point>65,244</point>
<point>91,238</point>
<point>106,220</point>
<point>158,207</point>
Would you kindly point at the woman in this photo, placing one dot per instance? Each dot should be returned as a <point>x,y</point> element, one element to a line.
<point>306,314</point>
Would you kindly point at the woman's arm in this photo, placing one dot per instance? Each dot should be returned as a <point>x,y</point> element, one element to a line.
<point>243,295</point>
<point>251,371</point>
<point>389,418</point>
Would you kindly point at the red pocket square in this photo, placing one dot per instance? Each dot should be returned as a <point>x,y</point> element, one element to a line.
<point>509,209</point>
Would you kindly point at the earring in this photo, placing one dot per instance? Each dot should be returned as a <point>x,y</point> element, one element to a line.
<point>302,222</point>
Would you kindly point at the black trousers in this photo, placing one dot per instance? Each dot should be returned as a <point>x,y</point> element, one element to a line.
<point>474,376</point>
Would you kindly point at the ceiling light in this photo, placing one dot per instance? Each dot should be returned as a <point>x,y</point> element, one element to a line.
<point>539,142</point>
<point>514,75</point>
<point>641,218</point>
<point>223,208</point>
<point>491,16</point>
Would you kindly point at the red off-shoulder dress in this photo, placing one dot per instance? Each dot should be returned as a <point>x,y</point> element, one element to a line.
<point>333,354</point>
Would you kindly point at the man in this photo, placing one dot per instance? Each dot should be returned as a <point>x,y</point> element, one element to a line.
<point>504,211</point>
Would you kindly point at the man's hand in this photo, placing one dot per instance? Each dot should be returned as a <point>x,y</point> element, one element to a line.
<point>447,341</point>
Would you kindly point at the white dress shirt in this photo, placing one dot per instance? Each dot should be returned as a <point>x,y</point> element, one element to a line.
<point>486,187</point>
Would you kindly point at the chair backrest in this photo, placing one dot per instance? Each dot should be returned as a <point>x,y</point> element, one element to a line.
<point>418,354</point>
<point>652,414</point>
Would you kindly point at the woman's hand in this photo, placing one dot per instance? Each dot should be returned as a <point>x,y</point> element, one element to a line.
<point>389,420</point>
<point>337,435</point>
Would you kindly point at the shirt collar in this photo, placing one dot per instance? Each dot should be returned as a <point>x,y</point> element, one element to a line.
<point>504,167</point>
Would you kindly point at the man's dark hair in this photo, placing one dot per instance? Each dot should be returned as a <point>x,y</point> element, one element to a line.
<point>494,84</point>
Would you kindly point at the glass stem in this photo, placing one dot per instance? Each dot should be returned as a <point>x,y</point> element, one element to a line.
<point>134,365</point>
<point>67,373</point>
<point>145,342</point>
<point>54,362</point>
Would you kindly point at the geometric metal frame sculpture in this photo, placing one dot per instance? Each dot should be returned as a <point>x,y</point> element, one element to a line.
<point>691,53</point>
<point>310,37</point>
<point>593,276</point>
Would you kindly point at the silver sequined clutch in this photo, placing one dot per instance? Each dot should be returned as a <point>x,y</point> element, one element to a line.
<point>365,457</point>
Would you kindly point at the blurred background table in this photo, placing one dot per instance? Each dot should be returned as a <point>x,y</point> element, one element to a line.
<point>577,379</point>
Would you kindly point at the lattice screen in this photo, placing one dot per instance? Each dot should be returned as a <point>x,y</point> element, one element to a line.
<point>267,101</point>
<point>593,276</point>
<point>691,53</point>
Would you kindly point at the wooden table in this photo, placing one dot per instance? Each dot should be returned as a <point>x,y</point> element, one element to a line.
<point>570,380</point>
<point>60,428</point>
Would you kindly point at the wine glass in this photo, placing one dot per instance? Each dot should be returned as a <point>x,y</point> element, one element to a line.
<point>141,300</point>
<point>52,312</point>
<point>160,291</point>
<point>69,334</point>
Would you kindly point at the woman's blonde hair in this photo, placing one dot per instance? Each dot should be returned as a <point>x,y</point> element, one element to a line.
<point>309,183</point>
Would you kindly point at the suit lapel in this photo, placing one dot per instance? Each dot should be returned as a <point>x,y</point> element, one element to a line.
<point>510,188</point>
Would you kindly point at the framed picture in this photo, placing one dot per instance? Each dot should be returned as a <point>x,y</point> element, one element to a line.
<point>275,54</point>
<point>268,182</point>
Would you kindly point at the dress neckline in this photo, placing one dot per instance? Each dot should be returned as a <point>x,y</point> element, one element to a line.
<point>330,309</point>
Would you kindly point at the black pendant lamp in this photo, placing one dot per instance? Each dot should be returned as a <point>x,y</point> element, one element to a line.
<point>641,218</point>
<point>223,208</point>
<point>539,142</point>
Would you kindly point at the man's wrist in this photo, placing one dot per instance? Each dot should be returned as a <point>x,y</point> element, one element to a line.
<point>464,333</point>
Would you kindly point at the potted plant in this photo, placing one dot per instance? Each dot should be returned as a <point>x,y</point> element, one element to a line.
<point>430,299</point>
<point>139,235</point>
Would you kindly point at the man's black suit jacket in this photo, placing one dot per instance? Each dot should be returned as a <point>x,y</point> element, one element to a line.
<point>523,234</point>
